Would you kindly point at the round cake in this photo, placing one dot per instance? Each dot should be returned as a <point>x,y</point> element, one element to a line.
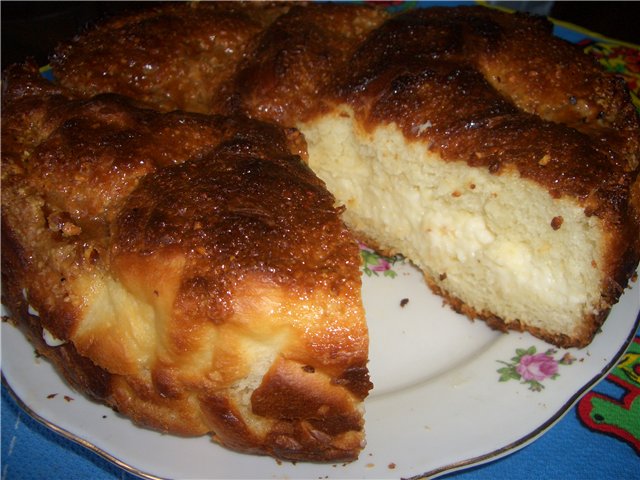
<point>181,206</point>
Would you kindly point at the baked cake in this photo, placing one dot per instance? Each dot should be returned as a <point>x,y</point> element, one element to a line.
<point>191,271</point>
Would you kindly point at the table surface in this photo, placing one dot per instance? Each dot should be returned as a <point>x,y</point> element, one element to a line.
<point>575,447</point>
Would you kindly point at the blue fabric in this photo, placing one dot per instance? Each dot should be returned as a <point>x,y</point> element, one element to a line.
<point>31,451</point>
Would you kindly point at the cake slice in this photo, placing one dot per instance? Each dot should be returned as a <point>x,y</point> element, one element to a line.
<point>190,271</point>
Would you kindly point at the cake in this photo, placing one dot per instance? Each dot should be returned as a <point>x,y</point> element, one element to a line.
<point>173,203</point>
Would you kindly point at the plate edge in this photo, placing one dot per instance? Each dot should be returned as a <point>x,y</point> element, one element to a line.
<point>529,438</point>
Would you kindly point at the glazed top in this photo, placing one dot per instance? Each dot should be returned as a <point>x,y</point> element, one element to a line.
<point>475,84</point>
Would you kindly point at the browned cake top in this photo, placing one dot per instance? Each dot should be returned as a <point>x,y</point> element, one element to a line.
<point>230,194</point>
<point>138,52</point>
<point>287,71</point>
<point>270,60</point>
<point>246,206</point>
<point>491,88</point>
<point>498,90</point>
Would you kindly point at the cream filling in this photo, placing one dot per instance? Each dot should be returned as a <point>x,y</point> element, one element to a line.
<point>50,339</point>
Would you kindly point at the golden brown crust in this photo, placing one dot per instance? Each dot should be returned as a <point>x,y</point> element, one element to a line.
<point>495,89</point>
<point>177,257</point>
<point>174,55</point>
<point>291,65</point>
<point>441,73</point>
<point>582,338</point>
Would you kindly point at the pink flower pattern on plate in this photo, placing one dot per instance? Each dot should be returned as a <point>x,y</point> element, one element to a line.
<point>532,368</point>
<point>373,263</point>
<point>537,367</point>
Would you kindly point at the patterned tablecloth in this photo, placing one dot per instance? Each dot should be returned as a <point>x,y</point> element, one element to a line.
<point>599,438</point>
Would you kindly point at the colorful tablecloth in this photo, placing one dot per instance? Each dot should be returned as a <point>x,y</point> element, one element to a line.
<point>599,438</point>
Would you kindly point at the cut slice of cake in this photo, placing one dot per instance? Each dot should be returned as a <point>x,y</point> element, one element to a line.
<point>190,271</point>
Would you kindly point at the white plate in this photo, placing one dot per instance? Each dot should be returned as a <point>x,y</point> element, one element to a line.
<point>438,402</point>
